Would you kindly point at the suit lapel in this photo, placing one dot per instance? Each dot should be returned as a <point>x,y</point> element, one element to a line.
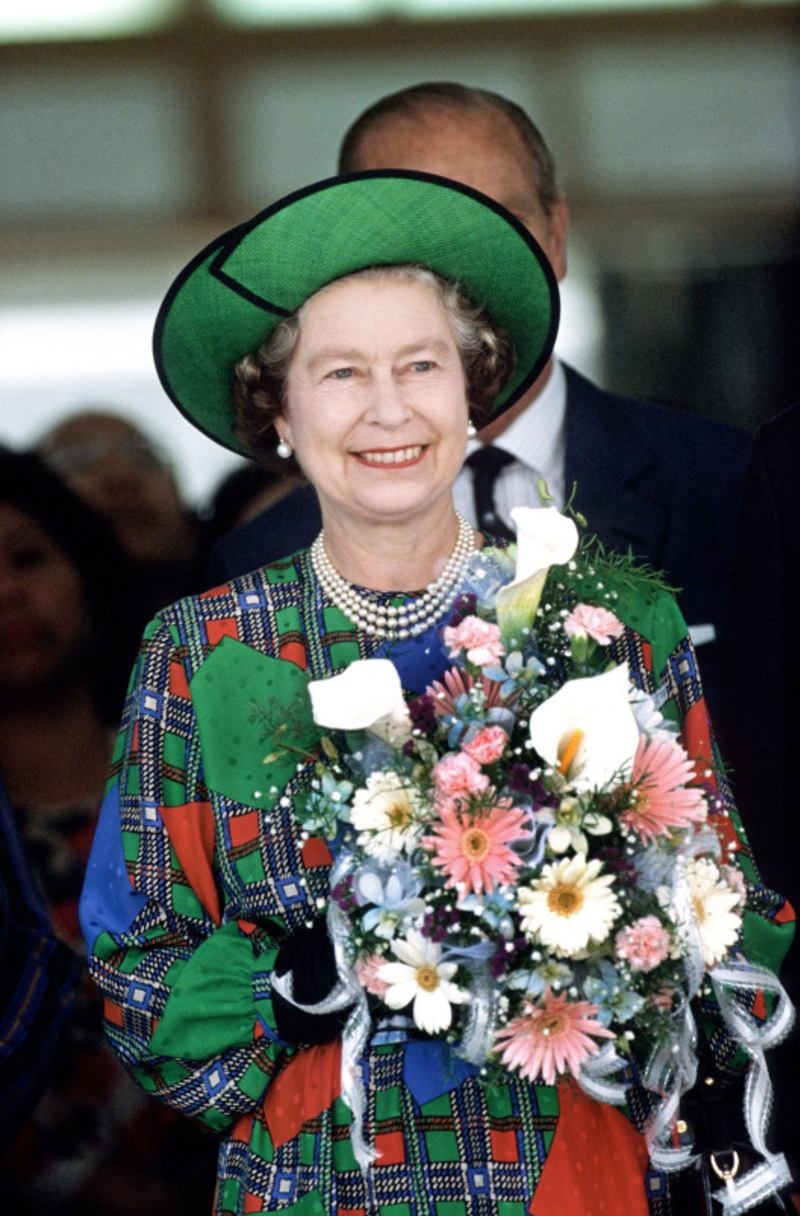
<point>616,469</point>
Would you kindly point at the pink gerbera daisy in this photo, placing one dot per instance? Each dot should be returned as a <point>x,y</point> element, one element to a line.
<point>456,683</point>
<point>547,1041</point>
<point>662,797</point>
<point>472,849</point>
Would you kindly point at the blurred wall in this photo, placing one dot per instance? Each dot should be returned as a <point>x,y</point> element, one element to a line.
<point>677,136</point>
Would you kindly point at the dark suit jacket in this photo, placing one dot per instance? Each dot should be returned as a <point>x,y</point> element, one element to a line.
<point>663,482</point>
<point>763,697</point>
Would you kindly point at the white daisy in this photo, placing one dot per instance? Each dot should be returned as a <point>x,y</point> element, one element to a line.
<point>570,906</point>
<point>420,977</point>
<point>387,815</point>
<point>715,905</point>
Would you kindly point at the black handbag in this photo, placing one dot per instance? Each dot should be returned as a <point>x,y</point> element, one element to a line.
<point>716,1124</point>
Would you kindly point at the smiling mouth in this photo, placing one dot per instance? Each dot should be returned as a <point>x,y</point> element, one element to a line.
<point>395,456</point>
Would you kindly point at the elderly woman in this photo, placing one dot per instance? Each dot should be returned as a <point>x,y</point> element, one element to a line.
<point>361,327</point>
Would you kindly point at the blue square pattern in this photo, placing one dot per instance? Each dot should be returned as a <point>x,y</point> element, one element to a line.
<point>140,996</point>
<point>150,703</point>
<point>151,814</point>
<point>683,666</point>
<point>291,891</point>
<point>250,600</point>
<point>283,1189</point>
<point>214,1078</point>
<point>479,1181</point>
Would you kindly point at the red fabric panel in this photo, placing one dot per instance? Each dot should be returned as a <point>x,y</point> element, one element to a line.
<point>596,1165</point>
<point>308,1085</point>
<point>191,831</point>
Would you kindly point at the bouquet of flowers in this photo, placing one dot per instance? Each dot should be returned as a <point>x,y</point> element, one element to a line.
<point>525,865</point>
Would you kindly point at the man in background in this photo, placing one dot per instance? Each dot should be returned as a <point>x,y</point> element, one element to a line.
<point>659,482</point>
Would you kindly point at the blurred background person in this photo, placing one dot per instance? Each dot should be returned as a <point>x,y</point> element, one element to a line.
<point>39,976</point>
<point>243,493</point>
<point>69,628</point>
<point>116,468</point>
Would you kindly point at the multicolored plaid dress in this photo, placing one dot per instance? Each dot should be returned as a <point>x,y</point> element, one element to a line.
<point>200,870</point>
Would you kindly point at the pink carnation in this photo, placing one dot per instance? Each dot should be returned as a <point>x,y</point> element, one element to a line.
<point>644,944</point>
<point>458,775</point>
<point>597,623</point>
<point>367,972</point>
<point>487,745</point>
<point>480,640</point>
<point>735,879</point>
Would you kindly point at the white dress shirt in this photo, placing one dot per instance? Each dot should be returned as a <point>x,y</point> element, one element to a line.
<point>537,441</point>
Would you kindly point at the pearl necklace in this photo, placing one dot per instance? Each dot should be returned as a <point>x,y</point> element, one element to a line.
<point>387,620</point>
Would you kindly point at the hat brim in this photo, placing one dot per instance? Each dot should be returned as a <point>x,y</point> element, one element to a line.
<point>233,294</point>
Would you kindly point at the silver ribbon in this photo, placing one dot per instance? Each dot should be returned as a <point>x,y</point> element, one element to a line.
<point>672,1068</point>
<point>671,1071</point>
<point>596,1076</point>
<point>478,1036</point>
<point>338,998</point>
<point>743,1194</point>
<point>770,1175</point>
<point>355,1035</point>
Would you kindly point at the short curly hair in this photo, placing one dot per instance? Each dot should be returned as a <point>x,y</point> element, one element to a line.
<point>259,385</point>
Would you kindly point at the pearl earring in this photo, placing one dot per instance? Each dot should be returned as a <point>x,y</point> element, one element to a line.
<point>284,449</point>
<point>471,431</point>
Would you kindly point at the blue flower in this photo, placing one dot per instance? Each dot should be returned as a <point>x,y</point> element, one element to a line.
<point>327,805</point>
<point>548,974</point>
<point>532,848</point>
<point>616,1001</point>
<point>393,894</point>
<point>493,909</point>
<point>654,867</point>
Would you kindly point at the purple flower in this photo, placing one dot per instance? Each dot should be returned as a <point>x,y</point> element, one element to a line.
<point>615,863</point>
<point>519,779</point>
<point>465,605</point>
<point>423,714</point>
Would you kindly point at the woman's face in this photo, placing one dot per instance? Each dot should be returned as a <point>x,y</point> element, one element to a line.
<point>376,403</point>
<point>43,619</point>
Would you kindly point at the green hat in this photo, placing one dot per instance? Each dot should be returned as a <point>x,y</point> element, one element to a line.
<point>233,294</point>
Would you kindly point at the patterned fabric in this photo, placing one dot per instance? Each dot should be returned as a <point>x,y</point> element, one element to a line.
<point>200,871</point>
<point>93,1143</point>
<point>38,979</point>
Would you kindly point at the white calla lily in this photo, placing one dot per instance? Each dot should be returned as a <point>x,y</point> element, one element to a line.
<point>367,695</point>
<point>587,729</point>
<point>545,538</point>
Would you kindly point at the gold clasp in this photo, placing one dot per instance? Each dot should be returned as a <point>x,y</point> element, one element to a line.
<point>727,1173</point>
